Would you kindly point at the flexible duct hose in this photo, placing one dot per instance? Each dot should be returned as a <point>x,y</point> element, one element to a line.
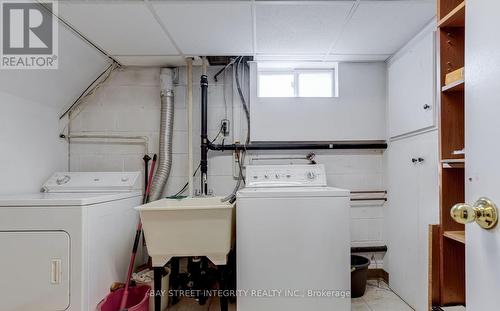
<point>165,152</point>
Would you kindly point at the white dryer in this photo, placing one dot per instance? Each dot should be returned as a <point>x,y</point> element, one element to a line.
<point>293,241</point>
<point>61,249</point>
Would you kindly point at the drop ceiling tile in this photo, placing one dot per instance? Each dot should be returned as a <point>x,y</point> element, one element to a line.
<point>212,28</point>
<point>382,27</point>
<point>295,28</point>
<point>118,27</point>
<point>325,58</point>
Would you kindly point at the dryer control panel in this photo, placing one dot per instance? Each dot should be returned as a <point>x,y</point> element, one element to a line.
<point>285,176</point>
<point>93,182</point>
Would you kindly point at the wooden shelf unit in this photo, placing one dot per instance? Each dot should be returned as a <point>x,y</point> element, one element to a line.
<point>447,282</point>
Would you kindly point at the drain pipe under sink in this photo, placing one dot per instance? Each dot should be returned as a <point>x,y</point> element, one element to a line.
<point>166,133</point>
<point>204,132</point>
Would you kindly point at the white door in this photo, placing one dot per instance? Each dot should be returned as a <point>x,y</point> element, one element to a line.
<point>428,211</point>
<point>413,190</point>
<point>482,141</point>
<point>402,230</point>
<point>35,270</point>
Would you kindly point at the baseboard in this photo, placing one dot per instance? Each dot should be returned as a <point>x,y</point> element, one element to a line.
<point>377,274</point>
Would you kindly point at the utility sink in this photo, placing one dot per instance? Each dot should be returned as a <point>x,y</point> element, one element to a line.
<point>188,227</point>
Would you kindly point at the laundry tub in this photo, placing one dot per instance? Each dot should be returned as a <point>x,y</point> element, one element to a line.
<point>188,227</point>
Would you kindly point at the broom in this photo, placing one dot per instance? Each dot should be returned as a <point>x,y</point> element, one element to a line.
<point>123,302</point>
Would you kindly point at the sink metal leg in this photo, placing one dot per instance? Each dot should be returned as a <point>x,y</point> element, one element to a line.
<point>203,280</point>
<point>175,278</point>
<point>158,274</point>
<point>223,286</point>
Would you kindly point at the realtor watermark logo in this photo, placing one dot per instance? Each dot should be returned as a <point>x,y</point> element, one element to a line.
<point>29,35</point>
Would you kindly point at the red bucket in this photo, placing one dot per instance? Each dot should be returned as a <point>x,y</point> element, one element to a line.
<point>138,299</point>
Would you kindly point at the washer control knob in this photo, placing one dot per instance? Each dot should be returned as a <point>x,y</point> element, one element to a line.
<point>266,176</point>
<point>277,176</point>
<point>63,180</point>
<point>310,175</point>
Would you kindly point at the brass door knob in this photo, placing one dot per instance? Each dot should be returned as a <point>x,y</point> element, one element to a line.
<point>484,212</point>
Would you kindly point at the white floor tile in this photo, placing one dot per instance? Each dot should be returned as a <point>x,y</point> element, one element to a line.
<point>378,297</point>
<point>358,304</point>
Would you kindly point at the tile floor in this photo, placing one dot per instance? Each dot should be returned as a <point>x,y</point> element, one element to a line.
<point>378,297</point>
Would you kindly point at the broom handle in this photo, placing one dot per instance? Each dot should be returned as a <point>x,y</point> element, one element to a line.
<point>124,299</point>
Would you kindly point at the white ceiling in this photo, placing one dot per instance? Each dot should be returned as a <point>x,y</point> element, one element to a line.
<point>299,28</point>
<point>158,32</point>
<point>381,27</point>
<point>211,28</point>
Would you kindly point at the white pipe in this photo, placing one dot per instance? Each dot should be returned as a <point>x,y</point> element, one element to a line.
<point>204,65</point>
<point>189,62</point>
<point>122,139</point>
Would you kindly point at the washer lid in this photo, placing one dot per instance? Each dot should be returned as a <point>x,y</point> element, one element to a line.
<point>63,199</point>
<point>290,192</point>
<point>82,182</point>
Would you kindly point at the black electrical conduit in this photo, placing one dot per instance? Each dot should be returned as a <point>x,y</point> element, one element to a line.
<point>85,91</point>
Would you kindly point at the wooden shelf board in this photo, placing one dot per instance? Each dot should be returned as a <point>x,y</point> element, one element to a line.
<point>456,18</point>
<point>453,161</point>
<point>454,86</point>
<point>453,165</point>
<point>458,236</point>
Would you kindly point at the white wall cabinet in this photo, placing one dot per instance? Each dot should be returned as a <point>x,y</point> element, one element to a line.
<point>411,86</point>
<point>413,201</point>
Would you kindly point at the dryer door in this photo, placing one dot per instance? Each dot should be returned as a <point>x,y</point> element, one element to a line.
<point>35,270</point>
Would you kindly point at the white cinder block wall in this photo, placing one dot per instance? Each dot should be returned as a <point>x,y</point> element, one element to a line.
<point>128,103</point>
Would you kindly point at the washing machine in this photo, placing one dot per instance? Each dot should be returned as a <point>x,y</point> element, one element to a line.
<point>293,241</point>
<point>61,249</point>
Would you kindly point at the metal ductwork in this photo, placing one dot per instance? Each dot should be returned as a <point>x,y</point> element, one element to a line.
<point>166,134</point>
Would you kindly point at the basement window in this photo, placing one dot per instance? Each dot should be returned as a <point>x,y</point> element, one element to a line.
<point>296,82</point>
